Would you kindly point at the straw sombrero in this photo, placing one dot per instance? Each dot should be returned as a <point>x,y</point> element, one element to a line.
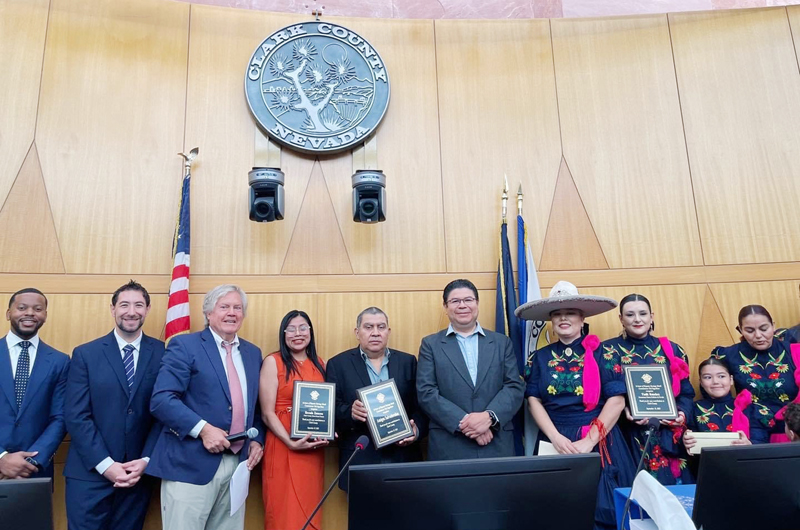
<point>564,295</point>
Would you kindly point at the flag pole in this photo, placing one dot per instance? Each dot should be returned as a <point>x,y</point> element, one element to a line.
<point>505,198</point>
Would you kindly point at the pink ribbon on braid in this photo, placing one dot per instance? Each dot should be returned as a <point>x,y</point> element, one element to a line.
<point>795,348</point>
<point>678,367</point>
<point>740,421</point>
<point>591,373</point>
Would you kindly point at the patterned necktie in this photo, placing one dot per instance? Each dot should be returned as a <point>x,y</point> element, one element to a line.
<point>23,373</point>
<point>127,360</point>
<point>237,399</point>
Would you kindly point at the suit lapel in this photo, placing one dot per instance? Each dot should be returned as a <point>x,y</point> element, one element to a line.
<point>360,367</point>
<point>487,349</point>
<point>6,375</point>
<point>211,349</point>
<point>145,354</point>
<point>41,367</point>
<point>113,356</point>
<point>453,352</point>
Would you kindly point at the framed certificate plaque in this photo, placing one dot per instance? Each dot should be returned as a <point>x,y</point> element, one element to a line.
<point>650,392</point>
<point>386,416</point>
<point>313,410</point>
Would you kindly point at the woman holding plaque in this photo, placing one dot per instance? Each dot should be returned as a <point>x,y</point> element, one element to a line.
<point>576,395</point>
<point>665,458</point>
<point>765,366</point>
<point>293,470</point>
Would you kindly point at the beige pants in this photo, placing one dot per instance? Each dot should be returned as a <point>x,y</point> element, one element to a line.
<point>191,507</point>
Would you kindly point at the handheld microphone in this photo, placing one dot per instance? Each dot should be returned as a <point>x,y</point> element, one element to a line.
<point>362,442</point>
<point>249,434</point>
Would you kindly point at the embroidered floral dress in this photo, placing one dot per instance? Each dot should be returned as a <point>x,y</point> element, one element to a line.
<point>769,375</point>
<point>718,415</point>
<point>557,379</point>
<point>666,457</point>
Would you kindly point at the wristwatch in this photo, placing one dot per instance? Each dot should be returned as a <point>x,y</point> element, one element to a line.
<point>495,421</point>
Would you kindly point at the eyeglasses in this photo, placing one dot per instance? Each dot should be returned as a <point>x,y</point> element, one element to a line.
<point>455,302</point>
<point>294,330</point>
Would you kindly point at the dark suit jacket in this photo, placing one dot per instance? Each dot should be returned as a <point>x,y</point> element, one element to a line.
<point>349,372</point>
<point>192,386</point>
<point>446,393</point>
<point>38,425</point>
<point>104,418</point>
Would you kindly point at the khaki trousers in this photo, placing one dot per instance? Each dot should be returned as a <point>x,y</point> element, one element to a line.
<point>191,507</point>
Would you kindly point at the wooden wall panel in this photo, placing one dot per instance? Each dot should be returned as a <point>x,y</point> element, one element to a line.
<point>411,239</point>
<point>224,240</point>
<point>623,138</point>
<point>110,123</point>
<point>498,115</point>
<point>29,195</point>
<point>780,298</point>
<point>23,25</point>
<point>739,86</point>
<point>794,22</point>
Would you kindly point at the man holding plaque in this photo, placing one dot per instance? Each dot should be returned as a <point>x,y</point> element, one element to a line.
<point>468,383</point>
<point>206,389</point>
<point>369,364</point>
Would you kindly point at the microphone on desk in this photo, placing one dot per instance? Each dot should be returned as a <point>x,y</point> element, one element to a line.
<point>362,442</point>
<point>249,434</point>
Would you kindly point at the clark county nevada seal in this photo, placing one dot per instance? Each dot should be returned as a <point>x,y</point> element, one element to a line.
<point>317,87</point>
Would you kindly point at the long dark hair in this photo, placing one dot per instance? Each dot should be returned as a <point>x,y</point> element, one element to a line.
<point>712,361</point>
<point>754,309</point>
<point>311,349</point>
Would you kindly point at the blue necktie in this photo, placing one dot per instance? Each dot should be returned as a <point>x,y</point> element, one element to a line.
<point>128,362</point>
<point>23,373</point>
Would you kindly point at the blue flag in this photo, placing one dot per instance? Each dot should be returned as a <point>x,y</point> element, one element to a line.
<point>506,322</point>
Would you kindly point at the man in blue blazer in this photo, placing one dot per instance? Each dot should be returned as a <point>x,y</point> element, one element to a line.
<point>468,383</point>
<point>207,388</point>
<point>108,418</point>
<point>32,377</point>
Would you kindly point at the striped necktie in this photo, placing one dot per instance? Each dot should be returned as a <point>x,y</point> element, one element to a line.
<point>23,373</point>
<point>127,360</point>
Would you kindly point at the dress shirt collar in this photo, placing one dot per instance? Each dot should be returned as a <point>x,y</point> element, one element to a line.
<point>478,329</point>
<point>137,343</point>
<point>12,340</point>
<point>219,339</point>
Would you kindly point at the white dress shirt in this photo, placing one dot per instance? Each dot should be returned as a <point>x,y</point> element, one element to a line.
<point>14,351</point>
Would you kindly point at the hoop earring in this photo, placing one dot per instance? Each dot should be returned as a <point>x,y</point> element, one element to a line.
<point>624,334</point>
<point>652,326</point>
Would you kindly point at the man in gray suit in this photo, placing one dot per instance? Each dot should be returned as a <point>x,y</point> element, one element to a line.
<point>468,383</point>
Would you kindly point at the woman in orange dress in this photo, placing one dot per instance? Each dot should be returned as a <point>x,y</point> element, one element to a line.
<point>293,470</point>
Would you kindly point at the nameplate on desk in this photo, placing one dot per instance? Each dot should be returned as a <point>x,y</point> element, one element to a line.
<point>650,392</point>
<point>313,410</point>
<point>386,416</point>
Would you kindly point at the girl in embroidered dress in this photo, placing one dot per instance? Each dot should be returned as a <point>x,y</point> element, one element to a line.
<point>717,410</point>
<point>576,395</point>
<point>665,458</point>
<point>765,366</point>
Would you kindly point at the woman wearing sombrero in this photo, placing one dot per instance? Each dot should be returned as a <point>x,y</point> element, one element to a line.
<point>575,395</point>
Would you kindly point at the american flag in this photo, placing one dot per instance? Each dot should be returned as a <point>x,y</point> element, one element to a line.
<point>178,305</point>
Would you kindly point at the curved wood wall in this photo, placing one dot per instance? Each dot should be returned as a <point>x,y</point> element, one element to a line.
<point>658,154</point>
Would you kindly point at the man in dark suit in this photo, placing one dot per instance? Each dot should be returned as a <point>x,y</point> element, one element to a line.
<point>468,383</point>
<point>32,377</point>
<point>107,413</point>
<point>370,363</point>
<point>207,388</point>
